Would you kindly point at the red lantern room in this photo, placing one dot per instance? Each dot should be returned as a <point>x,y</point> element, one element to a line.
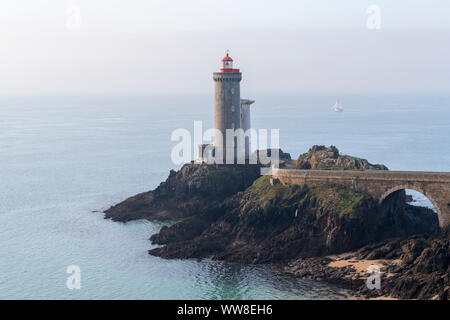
<point>228,64</point>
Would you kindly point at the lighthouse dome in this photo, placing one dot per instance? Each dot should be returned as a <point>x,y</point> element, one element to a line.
<point>227,58</point>
<point>227,64</point>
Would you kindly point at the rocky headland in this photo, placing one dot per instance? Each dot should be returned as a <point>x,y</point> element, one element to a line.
<point>328,233</point>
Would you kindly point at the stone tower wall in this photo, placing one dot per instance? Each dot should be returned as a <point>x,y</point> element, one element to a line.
<point>227,105</point>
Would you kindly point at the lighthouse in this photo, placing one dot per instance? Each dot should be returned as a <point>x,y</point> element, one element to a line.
<point>227,105</point>
<point>230,114</point>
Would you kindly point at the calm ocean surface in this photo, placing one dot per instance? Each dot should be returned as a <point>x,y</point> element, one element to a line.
<point>64,158</point>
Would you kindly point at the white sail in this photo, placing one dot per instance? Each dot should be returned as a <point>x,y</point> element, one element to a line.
<point>337,107</point>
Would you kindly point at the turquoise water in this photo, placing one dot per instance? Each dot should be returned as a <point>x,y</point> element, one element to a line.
<point>65,159</point>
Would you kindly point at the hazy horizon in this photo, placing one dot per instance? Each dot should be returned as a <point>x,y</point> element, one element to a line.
<point>160,47</point>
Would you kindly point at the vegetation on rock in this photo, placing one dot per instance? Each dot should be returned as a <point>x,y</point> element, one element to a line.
<point>274,222</point>
<point>232,213</point>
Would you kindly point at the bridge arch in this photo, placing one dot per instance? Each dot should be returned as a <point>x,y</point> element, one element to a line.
<point>411,187</point>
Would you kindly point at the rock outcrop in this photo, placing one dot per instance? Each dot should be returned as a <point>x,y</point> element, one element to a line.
<point>187,192</point>
<point>413,268</point>
<point>276,223</point>
<point>329,158</point>
<point>232,213</point>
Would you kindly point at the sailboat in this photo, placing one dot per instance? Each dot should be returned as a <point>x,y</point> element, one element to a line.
<point>337,106</point>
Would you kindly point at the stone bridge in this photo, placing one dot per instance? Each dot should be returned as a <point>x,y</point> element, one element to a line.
<point>379,184</point>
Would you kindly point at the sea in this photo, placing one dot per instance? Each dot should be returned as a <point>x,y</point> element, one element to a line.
<point>64,159</point>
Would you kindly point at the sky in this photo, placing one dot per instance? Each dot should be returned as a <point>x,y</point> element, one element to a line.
<point>173,46</point>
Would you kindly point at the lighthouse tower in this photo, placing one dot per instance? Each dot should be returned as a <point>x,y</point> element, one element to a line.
<point>230,113</point>
<point>227,104</point>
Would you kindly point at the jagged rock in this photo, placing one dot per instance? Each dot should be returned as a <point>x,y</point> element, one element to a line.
<point>275,223</point>
<point>232,213</point>
<point>187,192</point>
<point>329,158</point>
<point>426,277</point>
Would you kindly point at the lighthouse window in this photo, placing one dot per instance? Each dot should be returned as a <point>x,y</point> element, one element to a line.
<point>232,108</point>
<point>232,90</point>
<point>232,125</point>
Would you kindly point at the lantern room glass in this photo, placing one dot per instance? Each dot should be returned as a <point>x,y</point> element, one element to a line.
<point>228,64</point>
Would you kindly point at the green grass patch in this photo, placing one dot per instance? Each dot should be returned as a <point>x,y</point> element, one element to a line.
<point>338,198</point>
